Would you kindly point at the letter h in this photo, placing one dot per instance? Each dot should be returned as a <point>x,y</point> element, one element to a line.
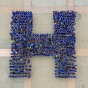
<point>60,44</point>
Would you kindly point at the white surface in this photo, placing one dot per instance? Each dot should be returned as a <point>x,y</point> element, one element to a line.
<point>49,3</point>
<point>43,23</point>
<point>36,3</point>
<point>60,2</point>
<point>86,2</point>
<point>82,32</point>
<point>82,74</point>
<point>81,2</point>
<point>43,74</point>
<point>5,81</point>
<point>18,2</point>
<point>6,2</point>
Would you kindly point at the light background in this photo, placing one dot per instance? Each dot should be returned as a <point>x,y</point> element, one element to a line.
<point>43,67</point>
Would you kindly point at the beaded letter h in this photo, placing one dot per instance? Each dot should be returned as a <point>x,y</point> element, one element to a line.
<point>60,44</point>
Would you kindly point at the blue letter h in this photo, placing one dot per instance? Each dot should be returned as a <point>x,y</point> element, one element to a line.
<point>60,44</point>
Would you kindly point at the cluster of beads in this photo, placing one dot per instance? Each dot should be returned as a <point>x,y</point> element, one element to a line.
<point>60,44</point>
<point>21,28</point>
<point>64,38</point>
